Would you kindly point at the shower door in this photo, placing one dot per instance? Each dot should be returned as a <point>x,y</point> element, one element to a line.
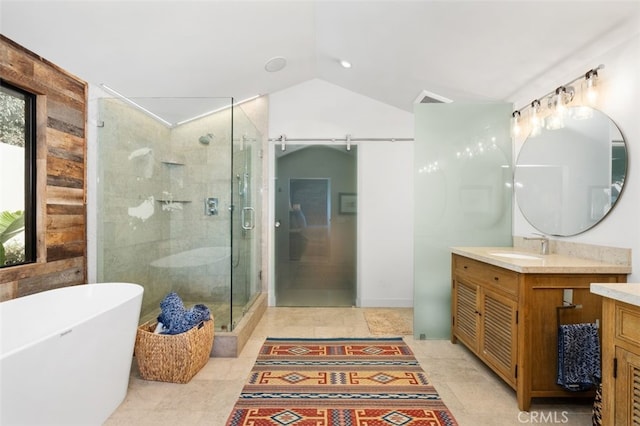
<point>245,223</point>
<point>315,199</point>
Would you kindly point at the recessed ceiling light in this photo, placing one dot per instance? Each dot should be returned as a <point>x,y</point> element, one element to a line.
<point>275,64</point>
<point>345,63</point>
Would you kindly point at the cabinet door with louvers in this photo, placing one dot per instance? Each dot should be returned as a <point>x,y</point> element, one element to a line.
<point>498,343</point>
<point>627,399</point>
<point>466,324</point>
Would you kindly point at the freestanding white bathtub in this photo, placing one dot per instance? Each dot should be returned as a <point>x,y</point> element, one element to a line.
<point>65,354</point>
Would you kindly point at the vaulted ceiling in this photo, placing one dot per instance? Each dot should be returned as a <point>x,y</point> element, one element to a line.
<point>461,50</point>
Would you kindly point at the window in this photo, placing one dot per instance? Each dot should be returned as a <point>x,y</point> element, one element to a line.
<point>17,176</point>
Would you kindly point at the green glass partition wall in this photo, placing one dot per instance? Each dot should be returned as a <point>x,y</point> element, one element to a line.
<point>463,175</point>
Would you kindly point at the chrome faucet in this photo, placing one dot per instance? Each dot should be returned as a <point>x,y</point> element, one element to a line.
<point>544,242</point>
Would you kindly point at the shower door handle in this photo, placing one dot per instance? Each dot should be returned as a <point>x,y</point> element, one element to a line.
<point>248,223</point>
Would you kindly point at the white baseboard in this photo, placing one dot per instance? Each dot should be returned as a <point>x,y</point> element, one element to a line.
<point>386,303</point>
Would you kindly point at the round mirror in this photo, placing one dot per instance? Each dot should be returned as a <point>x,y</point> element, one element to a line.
<point>570,174</point>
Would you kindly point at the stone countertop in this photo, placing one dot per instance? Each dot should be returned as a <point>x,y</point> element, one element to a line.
<point>523,261</point>
<point>628,293</point>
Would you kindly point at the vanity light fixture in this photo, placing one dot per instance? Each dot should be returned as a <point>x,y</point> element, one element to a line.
<point>515,127</point>
<point>558,104</point>
<point>555,103</point>
<point>536,120</point>
<point>560,99</point>
<point>590,82</point>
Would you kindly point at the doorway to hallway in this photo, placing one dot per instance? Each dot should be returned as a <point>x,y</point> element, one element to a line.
<point>316,225</point>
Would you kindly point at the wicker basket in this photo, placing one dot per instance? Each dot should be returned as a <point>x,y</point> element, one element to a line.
<point>173,358</point>
<point>596,416</point>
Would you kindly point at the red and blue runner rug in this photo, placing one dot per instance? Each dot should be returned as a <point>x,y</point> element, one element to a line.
<point>354,382</point>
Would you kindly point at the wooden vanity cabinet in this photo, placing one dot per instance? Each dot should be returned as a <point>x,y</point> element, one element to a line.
<point>620,363</point>
<point>510,321</point>
<point>485,313</point>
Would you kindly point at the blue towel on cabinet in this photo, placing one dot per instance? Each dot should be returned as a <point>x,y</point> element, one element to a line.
<point>578,356</point>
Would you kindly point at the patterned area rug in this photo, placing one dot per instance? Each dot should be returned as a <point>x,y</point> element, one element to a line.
<point>353,382</point>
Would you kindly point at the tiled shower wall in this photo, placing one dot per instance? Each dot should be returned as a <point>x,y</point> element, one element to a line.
<point>152,185</point>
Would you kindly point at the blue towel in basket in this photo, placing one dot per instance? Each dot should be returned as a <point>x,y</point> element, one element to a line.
<point>176,319</point>
<point>578,356</point>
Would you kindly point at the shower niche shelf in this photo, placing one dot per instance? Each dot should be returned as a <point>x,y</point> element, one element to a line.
<point>173,159</point>
<point>168,201</point>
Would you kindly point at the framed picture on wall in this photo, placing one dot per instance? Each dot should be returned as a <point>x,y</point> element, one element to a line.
<point>347,202</point>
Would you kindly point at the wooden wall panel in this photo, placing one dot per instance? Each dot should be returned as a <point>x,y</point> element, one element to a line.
<point>65,173</point>
<point>74,249</point>
<point>72,274</point>
<point>9,290</point>
<point>65,145</point>
<point>64,113</point>
<point>59,209</point>
<point>61,173</point>
<point>18,68</point>
<point>60,195</point>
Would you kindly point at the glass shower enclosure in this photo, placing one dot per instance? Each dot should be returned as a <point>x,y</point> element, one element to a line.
<point>177,197</point>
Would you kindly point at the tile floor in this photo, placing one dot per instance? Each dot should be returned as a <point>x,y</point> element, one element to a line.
<point>473,393</point>
<point>315,283</point>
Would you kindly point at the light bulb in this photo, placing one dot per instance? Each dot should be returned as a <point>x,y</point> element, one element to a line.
<point>557,105</point>
<point>590,83</point>
<point>560,107</point>
<point>536,121</point>
<point>515,125</point>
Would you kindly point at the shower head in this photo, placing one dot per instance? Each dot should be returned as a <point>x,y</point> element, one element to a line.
<point>206,139</point>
